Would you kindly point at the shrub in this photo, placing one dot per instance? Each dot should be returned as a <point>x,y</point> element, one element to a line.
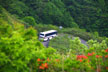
<point>61,43</point>
<point>80,33</point>
<point>30,21</point>
<point>20,48</point>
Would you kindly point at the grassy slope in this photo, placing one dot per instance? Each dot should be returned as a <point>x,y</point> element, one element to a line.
<point>11,19</point>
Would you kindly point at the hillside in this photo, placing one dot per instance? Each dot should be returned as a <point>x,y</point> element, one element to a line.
<point>22,20</point>
<point>91,15</point>
<point>19,46</point>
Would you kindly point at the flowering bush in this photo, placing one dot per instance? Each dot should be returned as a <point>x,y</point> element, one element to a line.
<point>20,51</point>
<point>92,59</point>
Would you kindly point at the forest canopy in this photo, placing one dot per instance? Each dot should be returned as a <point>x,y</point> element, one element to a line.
<point>91,15</point>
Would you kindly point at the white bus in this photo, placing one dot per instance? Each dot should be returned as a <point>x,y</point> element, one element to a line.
<point>47,35</point>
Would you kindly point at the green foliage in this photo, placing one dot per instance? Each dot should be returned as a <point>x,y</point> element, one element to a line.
<point>45,27</point>
<point>102,3</point>
<point>30,21</point>
<point>5,29</point>
<point>20,48</point>
<point>49,51</point>
<point>69,62</point>
<point>91,15</point>
<point>61,43</point>
<point>77,47</point>
<point>0,9</point>
<point>5,3</point>
<point>46,12</point>
<point>30,33</point>
<point>64,43</point>
<point>81,33</point>
<point>78,33</point>
<point>17,52</point>
<point>18,8</point>
<point>87,13</point>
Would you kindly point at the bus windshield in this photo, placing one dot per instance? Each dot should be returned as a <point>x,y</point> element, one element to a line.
<point>51,33</point>
<point>42,35</point>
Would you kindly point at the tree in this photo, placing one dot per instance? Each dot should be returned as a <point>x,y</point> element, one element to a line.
<point>19,8</point>
<point>29,20</point>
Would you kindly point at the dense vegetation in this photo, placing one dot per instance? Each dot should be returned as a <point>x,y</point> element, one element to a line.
<point>21,20</point>
<point>19,46</point>
<point>91,15</point>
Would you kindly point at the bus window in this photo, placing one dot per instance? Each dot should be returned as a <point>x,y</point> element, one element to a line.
<point>41,35</point>
<point>51,33</point>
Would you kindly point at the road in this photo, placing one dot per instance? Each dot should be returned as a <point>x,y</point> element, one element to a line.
<point>46,43</point>
<point>83,42</point>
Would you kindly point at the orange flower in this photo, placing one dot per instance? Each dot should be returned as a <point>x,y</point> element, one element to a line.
<point>98,56</point>
<point>38,59</point>
<point>80,60</point>
<point>48,60</point>
<point>106,50</point>
<point>93,53</point>
<point>106,56</point>
<point>41,67</point>
<point>106,68</point>
<point>90,54</point>
<point>57,60</point>
<point>46,65</point>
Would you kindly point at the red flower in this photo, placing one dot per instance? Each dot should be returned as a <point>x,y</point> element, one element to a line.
<point>106,56</point>
<point>81,57</point>
<point>106,50</point>
<point>45,65</point>
<point>41,67</point>
<point>85,57</point>
<point>38,59</point>
<point>98,56</point>
<point>80,60</point>
<point>57,60</point>
<point>48,60</point>
<point>78,56</point>
<point>106,68</point>
<point>90,54</point>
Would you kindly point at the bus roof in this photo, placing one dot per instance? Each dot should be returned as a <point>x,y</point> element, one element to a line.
<point>46,32</point>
